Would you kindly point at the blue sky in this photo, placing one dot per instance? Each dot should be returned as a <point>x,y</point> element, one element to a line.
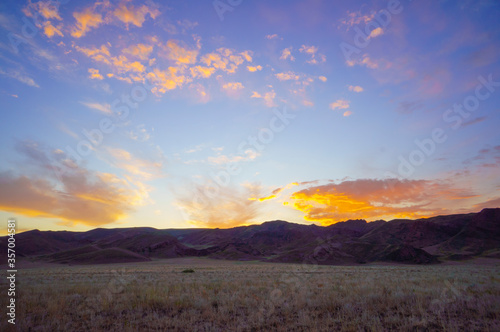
<point>225,113</point>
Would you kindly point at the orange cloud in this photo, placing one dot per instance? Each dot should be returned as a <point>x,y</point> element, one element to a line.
<point>135,15</point>
<point>140,51</point>
<point>233,86</point>
<point>168,79</point>
<point>313,52</point>
<point>47,9</point>
<point>98,54</point>
<point>276,192</point>
<point>225,60</point>
<point>85,21</point>
<point>76,195</point>
<point>176,51</point>
<point>254,69</point>
<point>339,104</point>
<point>287,53</point>
<point>365,61</point>
<point>322,78</point>
<point>200,71</point>
<point>287,76</point>
<point>51,30</point>
<point>355,18</point>
<point>373,199</point>
<point>94,74</point>
<point>376,32</point>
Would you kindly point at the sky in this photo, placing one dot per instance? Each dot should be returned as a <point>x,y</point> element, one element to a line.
<point>223,113</point>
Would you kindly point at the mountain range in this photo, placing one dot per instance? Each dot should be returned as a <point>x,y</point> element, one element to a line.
<point>420,241</point>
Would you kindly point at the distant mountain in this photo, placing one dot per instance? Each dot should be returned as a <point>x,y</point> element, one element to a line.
<point>421,241</point>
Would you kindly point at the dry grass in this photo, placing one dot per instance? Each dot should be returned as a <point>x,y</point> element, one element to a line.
<point>251,296</point>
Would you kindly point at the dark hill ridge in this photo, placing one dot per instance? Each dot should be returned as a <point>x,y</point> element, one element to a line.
<point>421,241</point>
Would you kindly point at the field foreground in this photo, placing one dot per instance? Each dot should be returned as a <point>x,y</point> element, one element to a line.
<point>255,296</point>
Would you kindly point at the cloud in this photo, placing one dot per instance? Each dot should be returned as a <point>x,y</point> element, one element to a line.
<point>210,205</point>
<point>233,86</point>
<point>355,18</point>
<point>355,88</point>
<point>47,9</point>
<point>322,78</point>
<point>225,59</point>
<point>273,36</point>
<point>129,14</point>
<point>287,76</point>
<point>347,113</point>
<point>142,169</point>
<point>94,74</point>
<point>104,108</point>
<point>200,71</point>
<point>221,159</point>
<point>168,79</point>
<point>254,69</point>
<point>97,54</point>
<point>339,104</point>
<point>140,134</point>
<point>50,30</point>
<point>140,51</point>
<point>373,199</point>
<point>307,103</point>
<point>492,203</point>
<point>366,61</point>
<point>313,52</point>
<point>376,32</point>
<point>178,52</point>
<point>77,195</point>
<point>85,21</point>
<point>287,53</point>
<point>268,98</point>
<point>275,193</point>
<point>17,75</point>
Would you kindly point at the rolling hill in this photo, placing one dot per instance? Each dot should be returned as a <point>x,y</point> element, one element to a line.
<point>421,241</point>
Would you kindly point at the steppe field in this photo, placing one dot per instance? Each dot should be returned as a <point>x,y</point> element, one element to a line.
<point>166,295</point>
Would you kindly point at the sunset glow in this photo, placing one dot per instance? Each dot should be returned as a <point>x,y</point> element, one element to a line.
<point>177,114</point>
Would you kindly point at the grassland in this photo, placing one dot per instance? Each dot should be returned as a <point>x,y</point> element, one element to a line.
<point>253,296</point>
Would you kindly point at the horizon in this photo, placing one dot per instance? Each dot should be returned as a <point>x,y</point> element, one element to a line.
<point>122,114</point>
<point>253,224</point>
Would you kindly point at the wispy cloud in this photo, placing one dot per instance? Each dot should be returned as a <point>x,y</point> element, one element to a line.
<point>104,108</point>
<point>17,75</point>
<point>209,205</point>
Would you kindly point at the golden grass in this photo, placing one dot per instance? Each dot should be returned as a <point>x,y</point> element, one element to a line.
<point>252,296</point>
